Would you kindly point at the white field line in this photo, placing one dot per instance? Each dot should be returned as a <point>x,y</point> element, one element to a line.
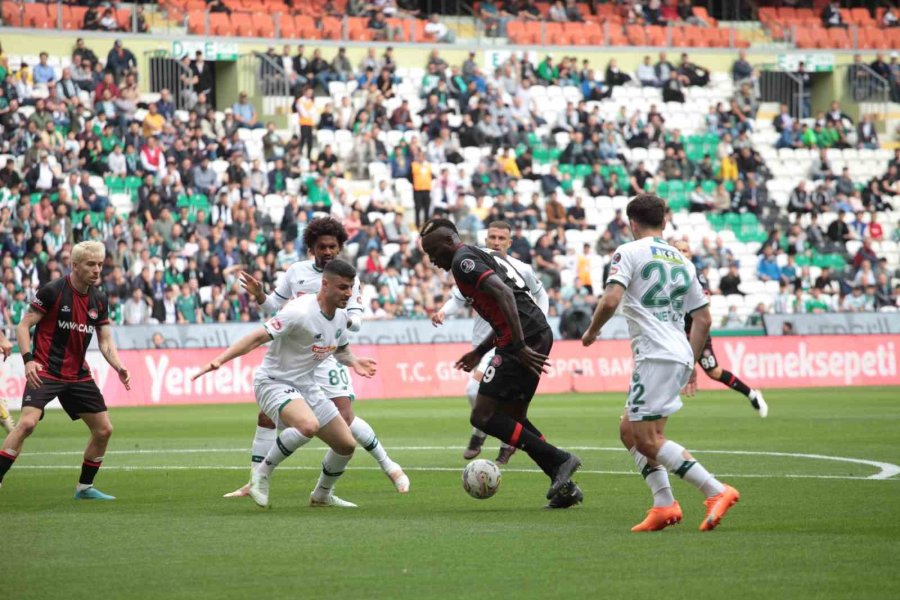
<point>886,470</point>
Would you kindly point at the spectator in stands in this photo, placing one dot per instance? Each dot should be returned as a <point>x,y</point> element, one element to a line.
<point>440,32</point>
<point>614,76</point>
<point>800,200</point>
<point>108,20</point>
<point>831,16</point>
<point>245,113</point>
<point>121,61</point>
<point>646,74</point>
<point>742,70</point>
<point>543,255</point>
<point>692,74</point>
<point>91,19</point>
<point>767,269</point>
<point>816,303</point>
<point>866,135</point>
<point>43,73</point>
<point>889,18</point>
<point>557,13</point>
<point>672,88</point>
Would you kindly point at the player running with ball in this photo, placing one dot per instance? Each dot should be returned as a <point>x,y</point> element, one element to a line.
<point>498,241</point>
<point>659,287</point>
<point>522,339</point>
<point>306,332</point>
<point>324,238</point>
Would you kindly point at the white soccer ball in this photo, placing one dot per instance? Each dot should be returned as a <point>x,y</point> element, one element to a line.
<point>481,478</point>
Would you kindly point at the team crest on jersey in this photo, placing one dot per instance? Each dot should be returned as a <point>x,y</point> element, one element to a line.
<point>65,309</point>
<point>275,324</point>
<point>496,361</point>
<point>92,314</point>
<point>467,265</point>
<point>616,257</point>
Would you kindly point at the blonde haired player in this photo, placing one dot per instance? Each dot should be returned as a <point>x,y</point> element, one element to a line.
<point>657,287</point>
<point>65,314</point>
<point>498,241</point>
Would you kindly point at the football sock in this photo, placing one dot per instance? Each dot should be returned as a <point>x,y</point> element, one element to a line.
<point>7,458</point>
<point>365,437</point>
<point>678,461</point>
<point>530,427</point>
<point>732,381</point>
<point>656,478</point>
<point>507,429</point>
<point>285,445</point>
<point>89,470</point>
<point>333,466</point>
<point>262,441</point>
<point>471,392</point>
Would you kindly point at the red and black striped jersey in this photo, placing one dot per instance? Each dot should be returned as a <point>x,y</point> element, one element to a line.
<point>688,320</point>
<point>62,336</point>
<point>471,266</point>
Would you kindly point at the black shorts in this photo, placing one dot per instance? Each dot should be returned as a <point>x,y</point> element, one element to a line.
<point>76,397</point>
<point>708,360</point>
<point>507,379</point>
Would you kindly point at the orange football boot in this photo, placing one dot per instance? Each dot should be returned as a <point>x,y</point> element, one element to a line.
<point>717,506</point>
<point>660,517</point>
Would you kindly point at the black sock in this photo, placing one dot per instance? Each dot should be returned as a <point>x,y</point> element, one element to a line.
<point>530,427</point>
<point>6,462</point>
<point>732,381</point>
<point>508,430</point>
<point>89,470</point>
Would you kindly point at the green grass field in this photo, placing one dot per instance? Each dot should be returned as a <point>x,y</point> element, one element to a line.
<point>806,527</point>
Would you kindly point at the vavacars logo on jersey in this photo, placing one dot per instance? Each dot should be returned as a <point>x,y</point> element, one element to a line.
<point>667,255</point>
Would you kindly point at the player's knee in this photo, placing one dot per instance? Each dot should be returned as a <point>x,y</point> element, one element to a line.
<point>345,448</point>
<point>27,425</point>
<point>308,428</point>
<point>625,435</point>
<point>480,417</point>
<point>649,447</point>
<point>264,421</point>
<point>103,432</point>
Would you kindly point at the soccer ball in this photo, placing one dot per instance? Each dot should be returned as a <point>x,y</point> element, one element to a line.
<point>481,479</point>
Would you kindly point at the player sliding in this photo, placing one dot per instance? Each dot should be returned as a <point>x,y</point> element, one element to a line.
<point>708,361</point>
<point>659,287</point>
<point>66,312</point>
<point>522,339</point>
<point>306,332</point>
<point>324,238</point>
<point>498,241</point>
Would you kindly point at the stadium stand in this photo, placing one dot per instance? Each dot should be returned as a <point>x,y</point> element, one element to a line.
<point>184,197</point>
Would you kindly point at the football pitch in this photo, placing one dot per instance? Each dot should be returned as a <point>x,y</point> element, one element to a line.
<point>819,515</point>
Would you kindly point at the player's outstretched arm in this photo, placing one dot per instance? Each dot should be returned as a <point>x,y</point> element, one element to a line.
<point>108,349</point>
<point>274,301</point>
<point>5,347</point>
<point>500,292</point>
<point>606,308</point>
<point>246,344</point>
<point>453,305</point>
<point>23,336</point>
<point>364,367</point>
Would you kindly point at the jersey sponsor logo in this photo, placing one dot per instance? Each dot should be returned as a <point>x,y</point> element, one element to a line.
<point>37,301</point>
<point>65,309</point>
<point>275,324</point>
<point>467,265</point>
<point>93,314</point>
<point>666,255</point>
<point>338,333</point>
<point>79,327</point>
<point>322,352</point>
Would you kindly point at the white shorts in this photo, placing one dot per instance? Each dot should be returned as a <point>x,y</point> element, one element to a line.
<point>273,395</point>
<point>334,379</point>
<point>655,390</point>
<point>485,361</point>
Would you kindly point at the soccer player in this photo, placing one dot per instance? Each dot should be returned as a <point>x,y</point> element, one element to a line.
<point>323,237</point>
<point>522,339</point>
<point>499,239</point>
<point>66,312</point>
<point>659,287</point>
<point>306,331</point>
<point>708,361</point>
<point>6,420</point>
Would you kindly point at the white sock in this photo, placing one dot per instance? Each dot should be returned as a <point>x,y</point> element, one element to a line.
<point>333,466</point>
<point>285,444</point>
<point>675,458</point>
<point>365,437</point>
<point>262,442</point>
<point>656,478</point>
<point>471,392</point>
<point>80,487</point>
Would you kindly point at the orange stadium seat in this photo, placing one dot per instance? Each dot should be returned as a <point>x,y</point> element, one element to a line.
<point>37,16</point>
<point>244,24</point>
<point>73,17</point>
<point>306,28</point>
<point>636,35</point>
<point>331,28</point>
<point>701,13</point>
<point>287,27</point>
<point>862,17</point>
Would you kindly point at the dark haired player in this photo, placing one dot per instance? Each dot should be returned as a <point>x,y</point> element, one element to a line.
<point>66,312</point>
<point>657,287</point>
<point>522,339</point>
<point>708,361</point>
<point>324,238</point>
